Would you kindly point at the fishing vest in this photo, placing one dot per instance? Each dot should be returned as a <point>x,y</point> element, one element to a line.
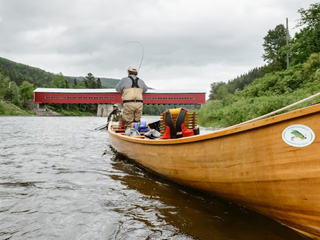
<point>141,126</point>
<point>114,116</point>
<point>178,129</point>
<point>133,94</point>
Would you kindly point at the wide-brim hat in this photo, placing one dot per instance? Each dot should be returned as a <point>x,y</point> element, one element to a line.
<point>132,69</point>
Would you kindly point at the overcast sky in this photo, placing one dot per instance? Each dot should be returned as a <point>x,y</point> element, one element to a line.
<point>188,44</point>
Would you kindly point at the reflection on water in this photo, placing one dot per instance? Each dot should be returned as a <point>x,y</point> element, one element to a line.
<point>196,214</point>
<point>55,184</point>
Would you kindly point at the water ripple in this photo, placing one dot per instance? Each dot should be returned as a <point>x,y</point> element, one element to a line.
<point>57,183</point>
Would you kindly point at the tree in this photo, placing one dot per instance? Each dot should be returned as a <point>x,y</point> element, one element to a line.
<point>310,17</point>
<point>98,83</point>
<point>90,81</point>
<point>222,92</point>
<point>13,93</point>
<point>26,92</point>
<point>307,41</point>
<point>58,81</point>
<point>214,89</point>
<point>4,86</point>
<point>273,45</point>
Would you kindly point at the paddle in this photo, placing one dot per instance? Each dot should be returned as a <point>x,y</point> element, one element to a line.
<point>102,127</point>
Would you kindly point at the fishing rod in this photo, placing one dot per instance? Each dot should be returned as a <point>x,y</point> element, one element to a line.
<point>142,48</point>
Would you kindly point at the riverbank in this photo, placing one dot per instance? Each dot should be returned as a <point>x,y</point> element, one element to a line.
<point>9,109</point>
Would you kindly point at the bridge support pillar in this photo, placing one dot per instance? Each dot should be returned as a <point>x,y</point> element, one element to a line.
<point>105,109</point>
<point>41,107</point>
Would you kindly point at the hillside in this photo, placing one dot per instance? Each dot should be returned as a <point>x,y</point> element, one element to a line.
<point>18,72</point>
<point>291,74</point>
<point>9,109</point>
<point>273,91</point>
<point>105,82</point>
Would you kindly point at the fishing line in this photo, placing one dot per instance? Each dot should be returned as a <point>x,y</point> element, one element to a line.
<point>141,49</point>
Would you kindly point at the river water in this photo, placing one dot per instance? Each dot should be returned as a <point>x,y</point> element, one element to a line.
<point>55,183</point>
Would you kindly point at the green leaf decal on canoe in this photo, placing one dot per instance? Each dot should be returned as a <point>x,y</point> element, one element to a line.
<point>298,134</point>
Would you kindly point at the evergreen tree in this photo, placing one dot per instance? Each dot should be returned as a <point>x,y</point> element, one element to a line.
<point>273,45</point>
<point>98,83</point>
<point>90,81</point>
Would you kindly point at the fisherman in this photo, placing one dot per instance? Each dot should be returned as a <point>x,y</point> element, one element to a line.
<point>114,115</point>
<point>132,88</point>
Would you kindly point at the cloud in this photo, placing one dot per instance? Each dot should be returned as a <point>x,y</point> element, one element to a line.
<point>187,44</point>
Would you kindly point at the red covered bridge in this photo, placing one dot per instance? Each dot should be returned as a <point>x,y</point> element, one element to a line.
<point>110,96</point>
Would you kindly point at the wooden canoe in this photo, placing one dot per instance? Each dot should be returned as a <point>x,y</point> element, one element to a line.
<point>271,166</point>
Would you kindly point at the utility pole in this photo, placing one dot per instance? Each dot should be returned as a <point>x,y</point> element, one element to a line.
<point>287,41</point>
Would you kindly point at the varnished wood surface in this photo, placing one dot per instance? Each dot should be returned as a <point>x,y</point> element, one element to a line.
<point>249,164</point>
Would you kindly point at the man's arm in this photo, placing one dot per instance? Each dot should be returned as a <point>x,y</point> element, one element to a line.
<point>143,86</point>
<point>120,85</point>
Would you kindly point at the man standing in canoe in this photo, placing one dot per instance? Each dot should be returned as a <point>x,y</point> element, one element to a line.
<point>132,88</point>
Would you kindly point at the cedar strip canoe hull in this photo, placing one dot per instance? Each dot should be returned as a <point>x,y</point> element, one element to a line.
<point>248,164</point>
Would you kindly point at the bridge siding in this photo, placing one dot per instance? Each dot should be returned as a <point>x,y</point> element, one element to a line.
<point>111,98</point>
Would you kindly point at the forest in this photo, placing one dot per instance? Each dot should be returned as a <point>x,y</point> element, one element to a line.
<point>255,93</point>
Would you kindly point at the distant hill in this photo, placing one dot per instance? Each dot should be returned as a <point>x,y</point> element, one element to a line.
<point>19,72</point>
<point>105,82</point>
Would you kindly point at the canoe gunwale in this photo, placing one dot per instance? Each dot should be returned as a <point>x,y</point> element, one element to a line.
<point>226,131</point>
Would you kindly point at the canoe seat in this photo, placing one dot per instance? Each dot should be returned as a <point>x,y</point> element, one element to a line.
<point>190,120</point>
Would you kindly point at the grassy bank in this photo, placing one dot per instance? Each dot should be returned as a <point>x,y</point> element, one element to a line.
<point>9,109</point>
<point>73,111</point>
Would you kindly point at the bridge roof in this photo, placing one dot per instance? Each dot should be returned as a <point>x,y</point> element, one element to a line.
<point>105,90</point>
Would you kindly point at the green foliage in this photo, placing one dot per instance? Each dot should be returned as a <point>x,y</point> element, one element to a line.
<point>9,109</point>
<point>98,83</point>
<point>234,85</point>
<point>19,72</point>
<point>13,93</point>
<point>4,86</point>
<point>310,17</point>
<point>26,92</point>
<point>58,81</point>
<point>153,109</point>
<point>222,92</point>
<point>307,41</point>
<point>90,81</point>
<point>273,91</point>
<point>74,109</point>
<point>274,41</point>
<point>105,82</point>
<point>278,87</point>
<point>312,66</point>
<point>17,82</point>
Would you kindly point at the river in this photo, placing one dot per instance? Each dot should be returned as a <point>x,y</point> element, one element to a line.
<point>55,183</point>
